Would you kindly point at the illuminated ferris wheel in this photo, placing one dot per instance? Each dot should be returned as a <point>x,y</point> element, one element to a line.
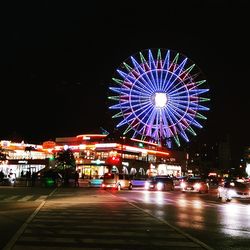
<point>160,96</point>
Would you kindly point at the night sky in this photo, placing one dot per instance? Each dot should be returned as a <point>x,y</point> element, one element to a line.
<point>57,60</point>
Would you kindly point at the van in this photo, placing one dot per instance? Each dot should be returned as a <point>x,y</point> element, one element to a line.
<point>116,181</point>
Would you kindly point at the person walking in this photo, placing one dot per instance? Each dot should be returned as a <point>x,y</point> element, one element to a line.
<point>1,176</point>
<point>28,176</point>
<point>76,179</point>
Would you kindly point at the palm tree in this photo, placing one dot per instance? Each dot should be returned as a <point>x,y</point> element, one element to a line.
<point>65,163</point>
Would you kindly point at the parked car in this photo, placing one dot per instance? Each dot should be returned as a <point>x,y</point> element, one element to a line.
<point>195,184</point>
<point>160,183</point>
<point>233,189</point>
<point>7,181</point>
<point>116,181</point>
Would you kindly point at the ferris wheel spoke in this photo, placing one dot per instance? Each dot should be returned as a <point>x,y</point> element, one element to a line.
<point>141,111</point>
<point>122,105</point>
<point>172,68</point>
<point>146,85</point>
<point>138,92</point>
<point>179,70</point>
<point>151,60</point>
<point>142,71</point>
<point>149,121</point>
<point>126,76</point>
<point>198,91</point>
<point>180,125</point>
<point>177,76</point>
<point>177,88</point>
<point>178,106</point>
<point>165,67</point>
<point>197,84</point>
<point>144,62</point>
<point>166,125</point>
<point>137,65</point>
<point>174,112</point>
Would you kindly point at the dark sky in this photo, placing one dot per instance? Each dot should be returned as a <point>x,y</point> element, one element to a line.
<point>57,60</point>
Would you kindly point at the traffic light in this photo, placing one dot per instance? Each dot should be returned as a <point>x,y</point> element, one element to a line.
<point>52,157</point>
<point>114,160</point>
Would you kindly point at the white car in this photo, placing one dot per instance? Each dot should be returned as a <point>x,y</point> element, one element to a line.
<point>233,189</point>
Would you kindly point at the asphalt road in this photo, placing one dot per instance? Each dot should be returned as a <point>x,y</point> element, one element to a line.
<point>91,218</point>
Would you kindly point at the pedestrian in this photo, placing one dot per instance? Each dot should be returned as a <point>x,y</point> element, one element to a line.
<point>1,176</point>
<point>33,179</point>
<point>28,175</point>
<point>76,179</point>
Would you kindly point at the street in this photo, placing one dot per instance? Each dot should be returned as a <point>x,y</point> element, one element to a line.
<point>92,218</point>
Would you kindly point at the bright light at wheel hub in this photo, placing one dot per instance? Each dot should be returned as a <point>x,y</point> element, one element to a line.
<point>160,100</point>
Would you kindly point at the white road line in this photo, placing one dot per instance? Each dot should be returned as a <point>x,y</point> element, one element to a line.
<point>11,198</point>
<point>25,198</point>
<point>17,235</point>
<point>41,198</point>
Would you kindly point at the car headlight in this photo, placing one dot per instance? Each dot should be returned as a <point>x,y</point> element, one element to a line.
<point>146,185</point>
<point>231,192</point>
<point>159,186</point>
<point>183,185</point>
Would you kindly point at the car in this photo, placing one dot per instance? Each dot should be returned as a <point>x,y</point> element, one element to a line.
<point>233,189</point>
<point>159,183</point>
<point>139,181</point>
<point>96,182</point>
<point>178,180</point>
<point>195,184</point>
<point>116,181</point>
<point>7,181</point>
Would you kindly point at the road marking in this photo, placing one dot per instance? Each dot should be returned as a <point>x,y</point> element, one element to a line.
<point>11,198</point>
<point>25,198</point>
<point>22,228</point>
<point>41,198</point>
<point>175,228</point>
<point>20,231</point>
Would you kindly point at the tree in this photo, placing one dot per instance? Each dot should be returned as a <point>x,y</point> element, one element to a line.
<point>65,160</point>
<point>65,164</point>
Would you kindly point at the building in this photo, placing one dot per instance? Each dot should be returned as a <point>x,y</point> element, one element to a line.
<point>20,158</point>
<point>96,154</point>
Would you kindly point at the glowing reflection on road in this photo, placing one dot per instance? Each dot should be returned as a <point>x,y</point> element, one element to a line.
<point>197,204</point>
<point>146,197</point>
<point>182,202</point>
<point>233,222</point>
<point>190,214</point>
<point>160,198</point>
<point>156,197</point>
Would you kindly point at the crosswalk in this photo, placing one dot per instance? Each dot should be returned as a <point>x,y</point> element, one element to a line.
<point>22,198</point>
<point>113,225</point>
